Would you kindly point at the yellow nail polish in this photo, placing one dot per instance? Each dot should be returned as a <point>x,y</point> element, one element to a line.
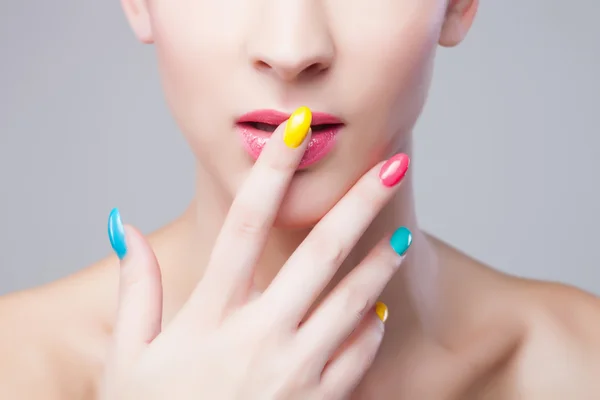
<point>297,127</point>
<point>382,311</point>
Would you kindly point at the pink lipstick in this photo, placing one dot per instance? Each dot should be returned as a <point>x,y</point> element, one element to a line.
<point>256,127</point>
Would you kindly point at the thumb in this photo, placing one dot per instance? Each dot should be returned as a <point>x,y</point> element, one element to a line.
<point>139,312</point>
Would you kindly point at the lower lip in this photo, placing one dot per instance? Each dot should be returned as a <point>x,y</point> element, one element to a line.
<point>321,143</point>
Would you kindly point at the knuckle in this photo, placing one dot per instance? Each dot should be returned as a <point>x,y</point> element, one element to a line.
<point>334,255</point>
<point>327,251</point>
<point>132,277</point>
<point>249,221</point>
<point>263,323</point>
<point>355,301</point>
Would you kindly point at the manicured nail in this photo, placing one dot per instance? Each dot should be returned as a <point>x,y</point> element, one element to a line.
<point>394,170</point>
<point>116,233</point>
<point>297,127</point>
<point>382,311</point>
<point>401,240</point>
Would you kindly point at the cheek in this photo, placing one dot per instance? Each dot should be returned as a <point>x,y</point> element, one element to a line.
<point>196,52</point>
<point>393,59</point>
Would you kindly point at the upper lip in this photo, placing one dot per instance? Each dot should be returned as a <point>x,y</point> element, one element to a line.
<point>274,117</point>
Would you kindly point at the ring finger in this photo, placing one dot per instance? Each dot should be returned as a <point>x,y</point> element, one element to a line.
<point>345,307</point>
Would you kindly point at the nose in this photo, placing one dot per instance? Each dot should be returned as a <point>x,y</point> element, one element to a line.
<point>290,39</point>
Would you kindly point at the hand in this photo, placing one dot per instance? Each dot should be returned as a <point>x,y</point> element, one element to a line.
<point>230,342</point>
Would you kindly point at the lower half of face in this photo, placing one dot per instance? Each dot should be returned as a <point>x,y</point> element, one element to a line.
<point>365,62</point>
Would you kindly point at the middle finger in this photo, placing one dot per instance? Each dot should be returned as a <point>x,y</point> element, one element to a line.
<point>314,263</point>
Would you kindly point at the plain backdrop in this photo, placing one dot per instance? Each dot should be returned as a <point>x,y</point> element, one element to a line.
<point>507,150</point>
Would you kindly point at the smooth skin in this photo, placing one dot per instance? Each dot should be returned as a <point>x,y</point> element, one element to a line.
<point>213,305</point>
<point>229,341</point>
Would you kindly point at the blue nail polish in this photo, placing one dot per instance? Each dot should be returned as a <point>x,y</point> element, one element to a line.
<point>116,233</point>
<point>401,240</point>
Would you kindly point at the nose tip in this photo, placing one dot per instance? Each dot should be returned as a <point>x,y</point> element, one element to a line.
<point>291,68</point>
<point>290,40</point>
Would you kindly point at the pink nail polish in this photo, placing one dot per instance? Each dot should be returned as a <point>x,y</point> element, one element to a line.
<point>394,170</point>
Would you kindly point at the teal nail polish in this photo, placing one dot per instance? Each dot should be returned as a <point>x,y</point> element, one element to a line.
<point>116,233</point>
<point>401,240</point>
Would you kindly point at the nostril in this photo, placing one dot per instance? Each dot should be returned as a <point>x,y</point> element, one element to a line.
<point>315,69</point>
<point>291,69</point>
<point>261,65</point>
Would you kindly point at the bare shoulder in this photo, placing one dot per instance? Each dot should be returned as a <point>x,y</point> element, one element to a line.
<point>53,337</point>
<point>555,350</point>
<point>576,312</point>
<point>560,356</point>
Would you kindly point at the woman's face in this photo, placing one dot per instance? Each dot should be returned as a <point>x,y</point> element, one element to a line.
<point>366,62</point>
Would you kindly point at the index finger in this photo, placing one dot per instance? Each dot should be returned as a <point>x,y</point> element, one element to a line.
<point>229,274</point>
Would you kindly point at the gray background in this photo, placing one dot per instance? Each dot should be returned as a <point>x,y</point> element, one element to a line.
<point>506,151</point>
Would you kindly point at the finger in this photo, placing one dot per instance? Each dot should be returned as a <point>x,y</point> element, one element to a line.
<point>344,372</point>
<point>345,307</point>
<point>229,275</point>
<point>316,260</point>
<point>139,311</point>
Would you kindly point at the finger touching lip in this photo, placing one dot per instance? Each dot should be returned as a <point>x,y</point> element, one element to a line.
<point>256,127</point>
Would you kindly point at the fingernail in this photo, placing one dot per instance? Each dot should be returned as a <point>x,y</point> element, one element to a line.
<point>401,240</point>
<point>394,170</point>
<point>116,233</point>
<point>382,311</point>
<point>297,127</point>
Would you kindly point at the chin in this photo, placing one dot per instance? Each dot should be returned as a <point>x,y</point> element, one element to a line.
<point>298,218</point>
<point>308,199</point>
